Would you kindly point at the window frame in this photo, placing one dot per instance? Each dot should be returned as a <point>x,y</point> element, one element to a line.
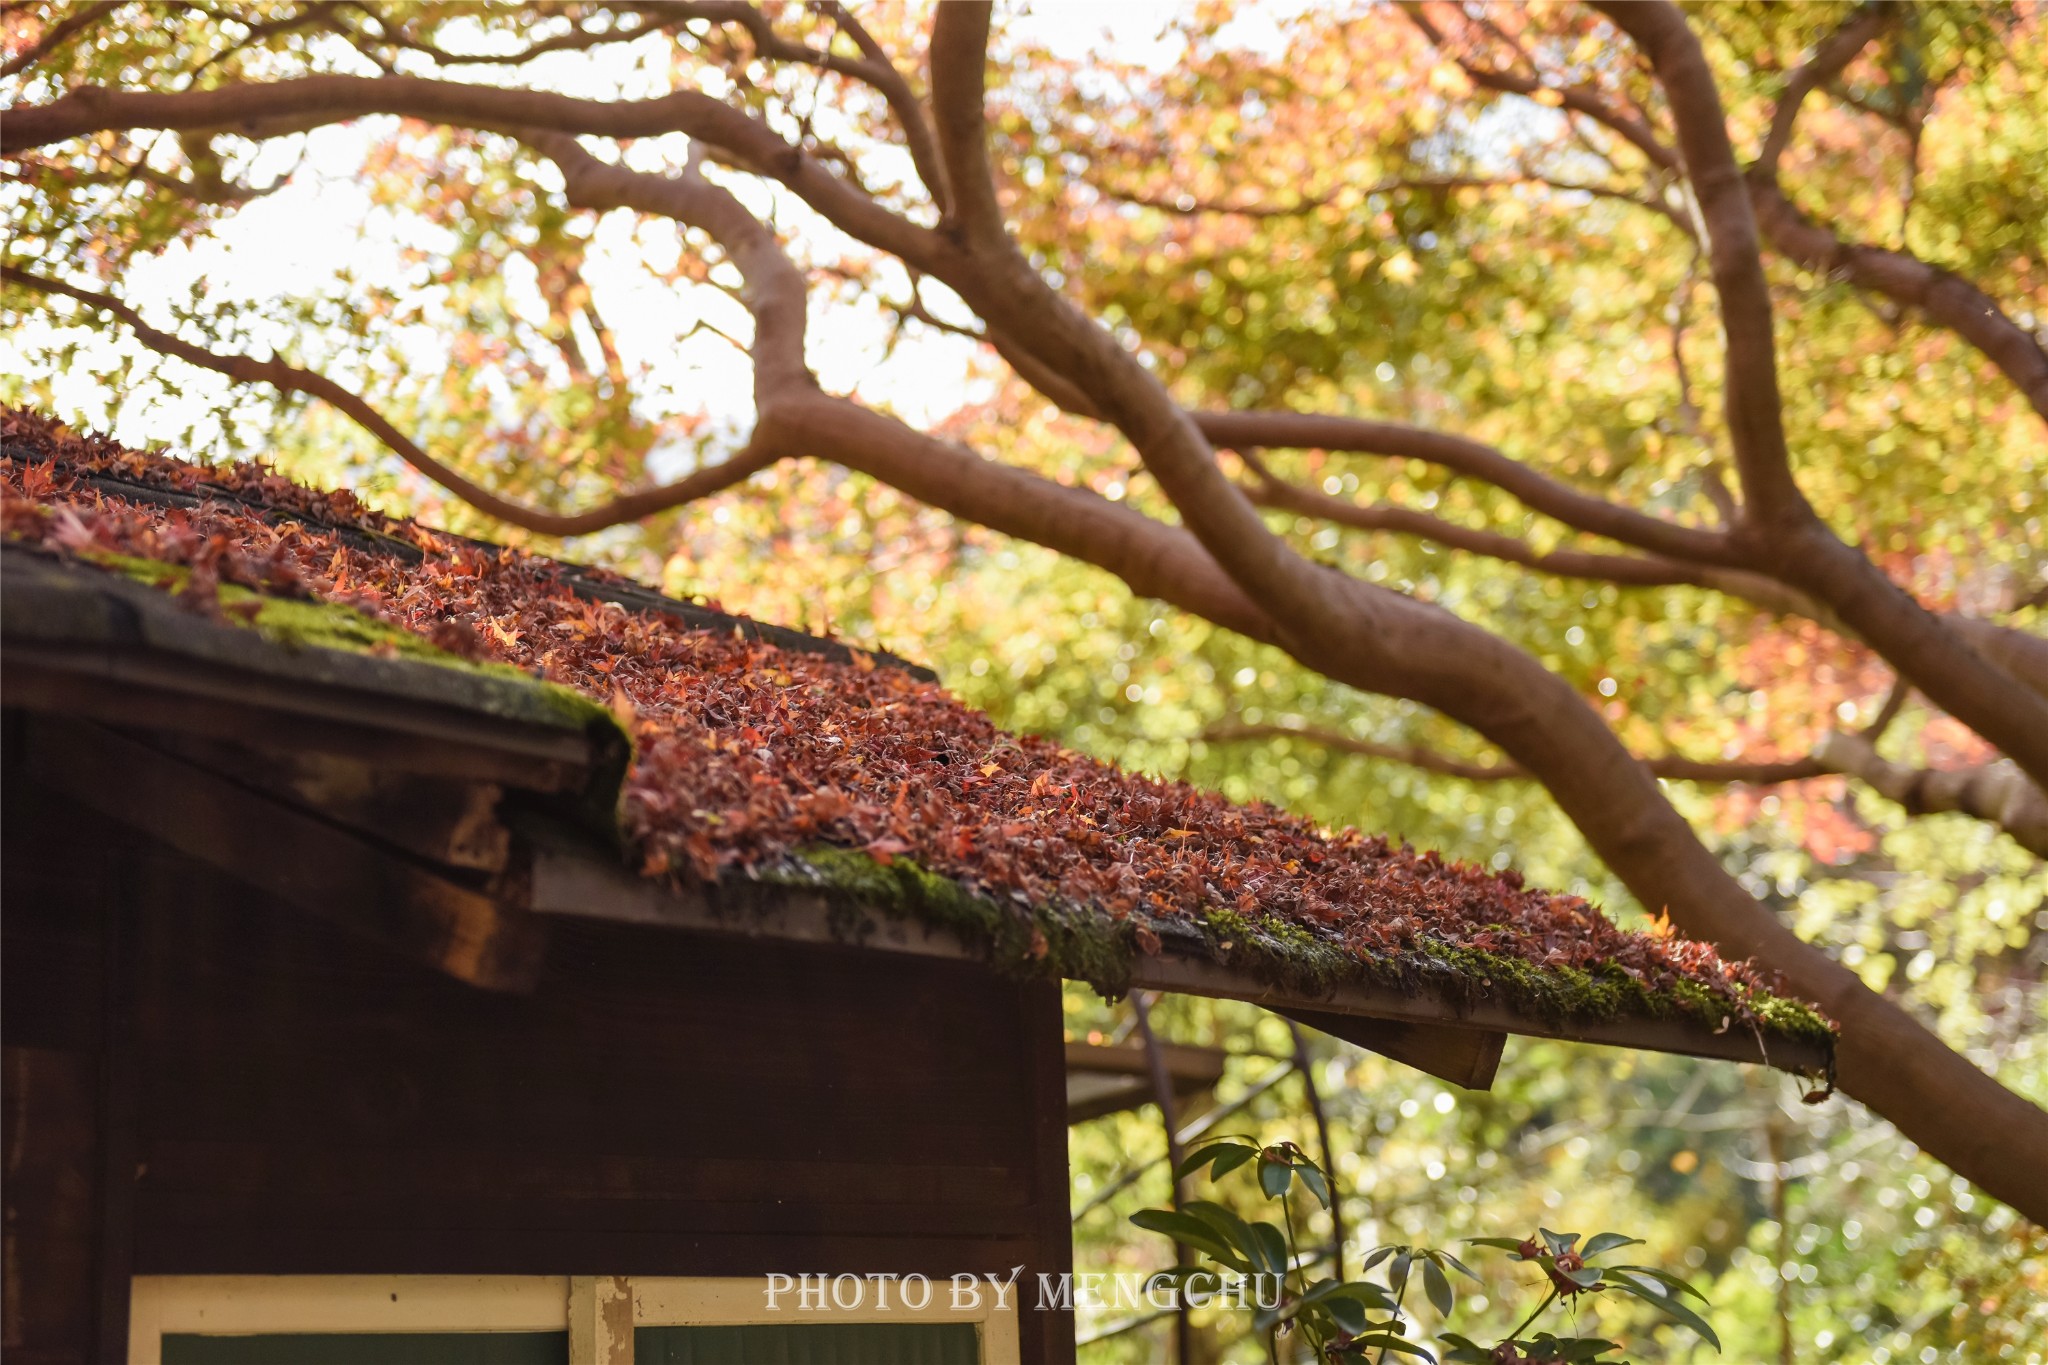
<point>252,1304</point>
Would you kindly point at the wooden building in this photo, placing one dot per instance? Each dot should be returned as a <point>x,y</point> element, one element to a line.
<point>371,999</point>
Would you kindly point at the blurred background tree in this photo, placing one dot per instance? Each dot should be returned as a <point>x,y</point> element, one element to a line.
<point>1433,214</point>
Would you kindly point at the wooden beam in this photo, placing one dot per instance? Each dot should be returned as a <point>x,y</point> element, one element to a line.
<point>1468,1057</point>
<point>1197,1066</point>
<point>1107,1078</point>
<point>439,819</point>
<point>294,856</point>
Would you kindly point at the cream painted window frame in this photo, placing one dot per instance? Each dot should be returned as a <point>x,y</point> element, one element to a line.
<point>662,1301</point>
<point>595,1310</point>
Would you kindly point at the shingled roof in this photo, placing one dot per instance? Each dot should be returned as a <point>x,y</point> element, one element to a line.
<point>763,761</point>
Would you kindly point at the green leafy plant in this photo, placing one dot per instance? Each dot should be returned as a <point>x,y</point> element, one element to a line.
<point>1263,1266</point>
<point>1567,1264</point>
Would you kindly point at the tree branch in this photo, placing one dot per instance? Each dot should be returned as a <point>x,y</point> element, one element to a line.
<point>1753,406</point>
<point>1998,793</point>
<point>755,456</point>
<point>274,109</point>
<point>1185,206</point>
<point>59,33</point>
<point>1430,760</point>
<point>1578,99</point>
<point>1268,490</point>
<point>1946,298</point>
<point>1780,531</point>
<point>1834,53</point>
<point>576,39</point>
<point>2019,653</point>
<point>1241,431</point>
<point>873,69</point>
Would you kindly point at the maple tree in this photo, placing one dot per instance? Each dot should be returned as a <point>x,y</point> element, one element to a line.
<point>1361,339</point>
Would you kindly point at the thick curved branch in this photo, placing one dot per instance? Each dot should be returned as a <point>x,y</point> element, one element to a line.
<point>1431,760</point>
<point>1780,531</point>
<point>1153,559</point>
<point>757,455</point>
<point>1753,407</point>
<point>274,109</point>
<point>1015,302</point>
<point>1946,298</point>
<point>1997,793</point>
<point>959,60</point>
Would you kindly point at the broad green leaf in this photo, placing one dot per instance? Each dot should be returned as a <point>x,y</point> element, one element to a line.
<point>1272,1244</point>
<point>1230,1159</point>
<point>1608,1241</point>
<point>1189,1231</point>
<point>1664,1277</point>
<point>1437,1286</point>
<point>1457,1265</point>
<point>1676,1309</point>
<point>1348,1314</point>
<point>1214,1151</point>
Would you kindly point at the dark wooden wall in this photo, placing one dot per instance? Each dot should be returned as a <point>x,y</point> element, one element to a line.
<point>200,1081</point>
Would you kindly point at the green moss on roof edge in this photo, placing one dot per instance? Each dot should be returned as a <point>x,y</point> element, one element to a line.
<point>1087,945</point>
<point>302,623</point>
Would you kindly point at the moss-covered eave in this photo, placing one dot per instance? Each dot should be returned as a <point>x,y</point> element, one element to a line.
<point>367,654</point>
<point>1084,944</point>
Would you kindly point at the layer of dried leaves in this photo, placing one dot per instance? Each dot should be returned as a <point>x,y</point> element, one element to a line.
<point>746,752</point>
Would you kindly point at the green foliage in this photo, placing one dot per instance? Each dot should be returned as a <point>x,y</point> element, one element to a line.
<point>1335,1318</point>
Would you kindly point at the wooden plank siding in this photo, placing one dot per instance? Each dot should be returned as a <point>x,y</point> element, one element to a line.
<point>294,1100</point>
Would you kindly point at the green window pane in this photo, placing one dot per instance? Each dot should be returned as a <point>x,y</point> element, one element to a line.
<point>809,1343</point>
<point>369,1348</point>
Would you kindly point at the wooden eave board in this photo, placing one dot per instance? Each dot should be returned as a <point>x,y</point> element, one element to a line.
<point>570,881</point>
<point>86,642</point>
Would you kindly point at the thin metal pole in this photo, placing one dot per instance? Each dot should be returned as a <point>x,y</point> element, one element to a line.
<point>1329,1158</point>
<point>1162,1092</point>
